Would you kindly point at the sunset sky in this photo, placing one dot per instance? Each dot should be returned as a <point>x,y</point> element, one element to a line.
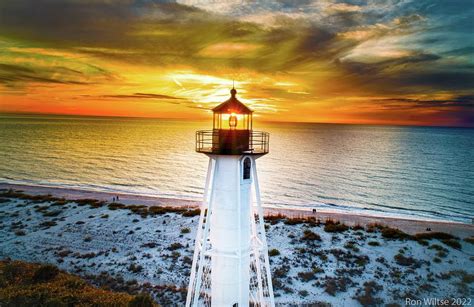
<point>376,62</point>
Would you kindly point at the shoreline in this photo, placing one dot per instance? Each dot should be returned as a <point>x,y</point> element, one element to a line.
<point>408,225</point>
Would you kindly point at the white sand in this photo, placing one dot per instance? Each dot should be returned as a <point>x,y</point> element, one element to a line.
<point>119,239</point>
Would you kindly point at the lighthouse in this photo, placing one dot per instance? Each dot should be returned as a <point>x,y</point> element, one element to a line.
<point>230,263</point>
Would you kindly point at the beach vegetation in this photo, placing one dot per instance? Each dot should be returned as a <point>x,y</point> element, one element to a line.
<point>135,268</point>
<point>394,234</point>
<point>141,300</point>
<point>104,216</point>
<point>185,230</point>
<point>60,202</point>
<point>116,206</point>
<point>47,224</point>
<point>187,260</point>
<point>437,247</point>
<point>53,213</point>
<point>45,272</point>
<point>295,221</point>
<point>373,243</point>
<point>452,243</point>
<point>64,253</point>
<point>307,276</point>
<point>274,219</point>
<point>333,285</point>
<point>150,245</point>
<point>352,245</point>
<point>441,254</point>
<point>365,296</point>
<point>303,293</point>
<point>23,285</point>
<point>87,238</point>
<point>175,246</point>
<point>80,222</point>
<point>374,227</point>
<point>191,212</point>
<point>20,233</point>
<point>469,239</point>
<point>358,227</point>
<point>273,252</point>
<point>435,235</point>
<point>402,260</point>
<point>93,203</point>
<point>281,272</point>
<point>308,235</point>
<point>423,242</point>
<point>335,226</point>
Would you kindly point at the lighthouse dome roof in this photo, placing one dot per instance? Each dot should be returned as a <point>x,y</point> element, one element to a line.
<point>232,105</point>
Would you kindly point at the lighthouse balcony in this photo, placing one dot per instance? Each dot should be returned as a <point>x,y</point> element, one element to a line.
<point>232,142</point>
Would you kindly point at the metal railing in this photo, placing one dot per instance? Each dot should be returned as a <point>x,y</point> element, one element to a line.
<point>241,142</point>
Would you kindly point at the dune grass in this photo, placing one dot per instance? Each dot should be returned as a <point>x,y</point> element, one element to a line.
<point>27,284</point>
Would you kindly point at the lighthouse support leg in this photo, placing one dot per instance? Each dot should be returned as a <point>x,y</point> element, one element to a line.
<point>263,236</point>
<point>194,287</point>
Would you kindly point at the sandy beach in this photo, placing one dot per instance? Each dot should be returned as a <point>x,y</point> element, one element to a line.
<point>408,225</point>
<point>145,244</point>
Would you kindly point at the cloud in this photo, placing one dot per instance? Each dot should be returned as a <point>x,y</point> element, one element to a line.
<point>143,96</point>
<point>324,48</point>
<point>11,75</point>
<point>465,102</point>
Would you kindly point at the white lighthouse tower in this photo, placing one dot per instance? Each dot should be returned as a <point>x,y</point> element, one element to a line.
<point>230,264</point>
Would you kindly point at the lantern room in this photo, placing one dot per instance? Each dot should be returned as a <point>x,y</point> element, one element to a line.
<point>232,131</point>
<point>232,114</point>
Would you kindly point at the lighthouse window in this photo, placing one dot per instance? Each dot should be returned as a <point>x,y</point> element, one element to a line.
<point>247,167</point>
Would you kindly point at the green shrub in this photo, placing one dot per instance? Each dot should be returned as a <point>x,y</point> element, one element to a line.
<point>434,235</point>
<point>115,206</point>
<point>175,246</point>
<point>141,300</point>
<point>332,226</point>
<point>373,243</point>
<point>273,252</point>
<point>308,235</point>
<point>191,213</point>
<point>20,233</point>
<point>307,276</point>
<point>452,243</point>
<point>63,290</point>
<point>294,221</point>
<point>393,233</point>
<point>404,261</point>
<point>185,230</point>
<point>469,240</point>
<point>45,273</point>
<point>135,268</point>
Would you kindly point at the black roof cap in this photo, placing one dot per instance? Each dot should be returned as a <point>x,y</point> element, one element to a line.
<point>232,105</point>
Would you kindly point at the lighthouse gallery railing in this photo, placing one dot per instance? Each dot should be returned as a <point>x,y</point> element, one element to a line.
<point>241,141</point>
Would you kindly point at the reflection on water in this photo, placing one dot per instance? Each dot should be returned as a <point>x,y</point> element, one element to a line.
<point>393,170</point>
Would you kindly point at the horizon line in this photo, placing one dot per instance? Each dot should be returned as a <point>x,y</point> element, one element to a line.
<point>202,119</point>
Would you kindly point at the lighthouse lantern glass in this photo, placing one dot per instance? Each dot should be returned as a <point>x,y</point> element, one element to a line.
<point>233,121</point>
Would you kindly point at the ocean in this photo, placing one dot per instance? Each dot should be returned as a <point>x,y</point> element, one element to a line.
<point>415,172</point>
